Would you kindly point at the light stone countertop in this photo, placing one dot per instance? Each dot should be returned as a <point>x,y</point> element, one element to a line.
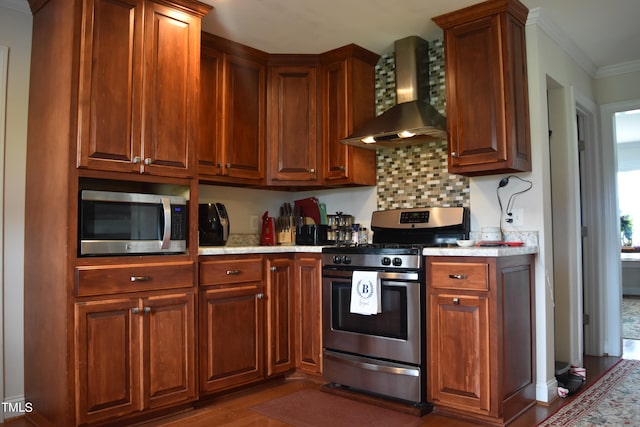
<point>493,251</point>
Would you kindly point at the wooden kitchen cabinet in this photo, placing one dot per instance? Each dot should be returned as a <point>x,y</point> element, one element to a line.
<point>347,101</point>
<point>134,354</point>
<point>138,86</point>
<point>481,336</point>
<point>486,85</point>
<point>280,315</point>
<point>308,313</point>
<point>233,110</point>
<point>293,143</point>
<point>231,322</point>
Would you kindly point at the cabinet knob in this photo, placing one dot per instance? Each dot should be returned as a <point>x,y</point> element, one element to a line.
<point>274,268</point>
<point>341,168</point>
<point>137,159</point>
<point>147,309</point>
<point>456,301</point>
<point>312,170</point>
<point>140,278</point>
<point>228,165</point>
<point>454,154</point>
<point>458,276</point>
<point>148,161</point>
<point>260,295</point>
<point>135,310</point>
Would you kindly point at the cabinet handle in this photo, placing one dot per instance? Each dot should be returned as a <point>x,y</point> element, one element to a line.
<point>454,154</point>
<point>260,295</point>
<point>458,276</point>
<point>137,159</point>
<point>140,278</point>
<point>456,301</point>
<point>135,310</point>
<point>148,161</point>
<point>232,272</point>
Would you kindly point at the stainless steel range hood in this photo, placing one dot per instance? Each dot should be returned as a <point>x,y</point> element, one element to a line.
<point>413,120</point>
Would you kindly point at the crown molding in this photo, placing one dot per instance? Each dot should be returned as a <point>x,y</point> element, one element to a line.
<point>19,5</point>
<point>617,69</point>
<point>540,17</point>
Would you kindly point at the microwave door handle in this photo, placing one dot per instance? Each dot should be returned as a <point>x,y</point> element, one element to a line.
<point>166,237</point>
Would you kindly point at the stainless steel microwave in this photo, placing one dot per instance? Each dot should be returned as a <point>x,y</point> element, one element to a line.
<point>120,223</point>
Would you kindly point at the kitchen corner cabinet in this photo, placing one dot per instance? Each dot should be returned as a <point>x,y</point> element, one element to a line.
<point>134,354</point>
<point>280,315</point>
<point>138,89</point>
<point>231,322</point>
<point>487,94</point>
<point>308,313</point>
<point>481,339</point>
<point>232,112</point>
<point>347,101</point>
<point>293,147</point>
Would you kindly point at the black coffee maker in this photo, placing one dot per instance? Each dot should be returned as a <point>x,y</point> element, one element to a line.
<point>213,224</point>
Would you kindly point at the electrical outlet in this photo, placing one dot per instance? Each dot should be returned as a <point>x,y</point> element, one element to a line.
<point>253,222</point>
<point>516,218</point>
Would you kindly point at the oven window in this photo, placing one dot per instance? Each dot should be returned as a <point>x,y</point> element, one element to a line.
<point>390,323</point>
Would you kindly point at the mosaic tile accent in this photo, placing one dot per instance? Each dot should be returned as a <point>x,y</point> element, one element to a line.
<point>416,176</point>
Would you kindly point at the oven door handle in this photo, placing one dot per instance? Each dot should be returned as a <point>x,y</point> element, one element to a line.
<point>389,275</point>
<point>381,366</point>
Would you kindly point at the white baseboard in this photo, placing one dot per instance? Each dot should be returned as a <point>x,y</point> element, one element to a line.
<point>547,392</point>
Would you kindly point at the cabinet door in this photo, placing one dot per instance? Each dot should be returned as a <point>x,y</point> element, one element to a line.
<point>244,109</point>
<point>231,336</point>
<point>168,368</point>
<point>348,89</point>
<point>292,144</point>
<point>459,369</point>
<point>476,135</point>
<point>309,314</point>
<point>109,121</point>
<point>210,142</point>
<point>107,344</point>
<point>171,69</point>
<point>280,312</point>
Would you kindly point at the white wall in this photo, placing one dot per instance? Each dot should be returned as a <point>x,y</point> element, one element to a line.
<point>15,32</point>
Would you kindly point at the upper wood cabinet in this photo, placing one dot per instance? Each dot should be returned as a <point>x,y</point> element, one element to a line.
<point>487,96</point>
<point>233,112</point>
<point>293,147</point>
<point>347,101</point>
<point>277,120</point>
<point>138,87</point>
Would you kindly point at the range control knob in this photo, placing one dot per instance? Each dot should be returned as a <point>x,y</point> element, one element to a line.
<point>397,262</point>
<point>386,261</point>
<point>337,259</point>
<point>346,259</point>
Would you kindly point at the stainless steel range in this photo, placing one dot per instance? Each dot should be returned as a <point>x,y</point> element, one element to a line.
<point>374,302</point>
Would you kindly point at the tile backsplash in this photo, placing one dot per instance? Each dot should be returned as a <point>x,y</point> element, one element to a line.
<point>416,176</point>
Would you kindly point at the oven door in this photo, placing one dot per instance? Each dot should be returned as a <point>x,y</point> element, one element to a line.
<point>394,334</point>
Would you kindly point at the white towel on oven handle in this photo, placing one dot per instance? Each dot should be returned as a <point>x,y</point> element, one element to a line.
<point>366,291</point>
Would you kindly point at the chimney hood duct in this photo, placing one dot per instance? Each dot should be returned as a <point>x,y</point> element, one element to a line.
<point>412,114</point>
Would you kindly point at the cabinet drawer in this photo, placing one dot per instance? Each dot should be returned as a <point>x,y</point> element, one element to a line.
<point>222,271</point>
<point>460,275</point>
<point>103,279</point>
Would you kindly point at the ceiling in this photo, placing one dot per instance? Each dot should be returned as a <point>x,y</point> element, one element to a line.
<point>606,32</point>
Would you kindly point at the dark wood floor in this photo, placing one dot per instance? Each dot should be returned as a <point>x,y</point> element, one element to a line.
<point>235,410</point>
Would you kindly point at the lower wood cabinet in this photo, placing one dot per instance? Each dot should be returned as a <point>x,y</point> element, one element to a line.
<point>231,336</point>
<point>280,315</point>
<point>134,354</point>
<point>308,313</point>
<point>481,340</point>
